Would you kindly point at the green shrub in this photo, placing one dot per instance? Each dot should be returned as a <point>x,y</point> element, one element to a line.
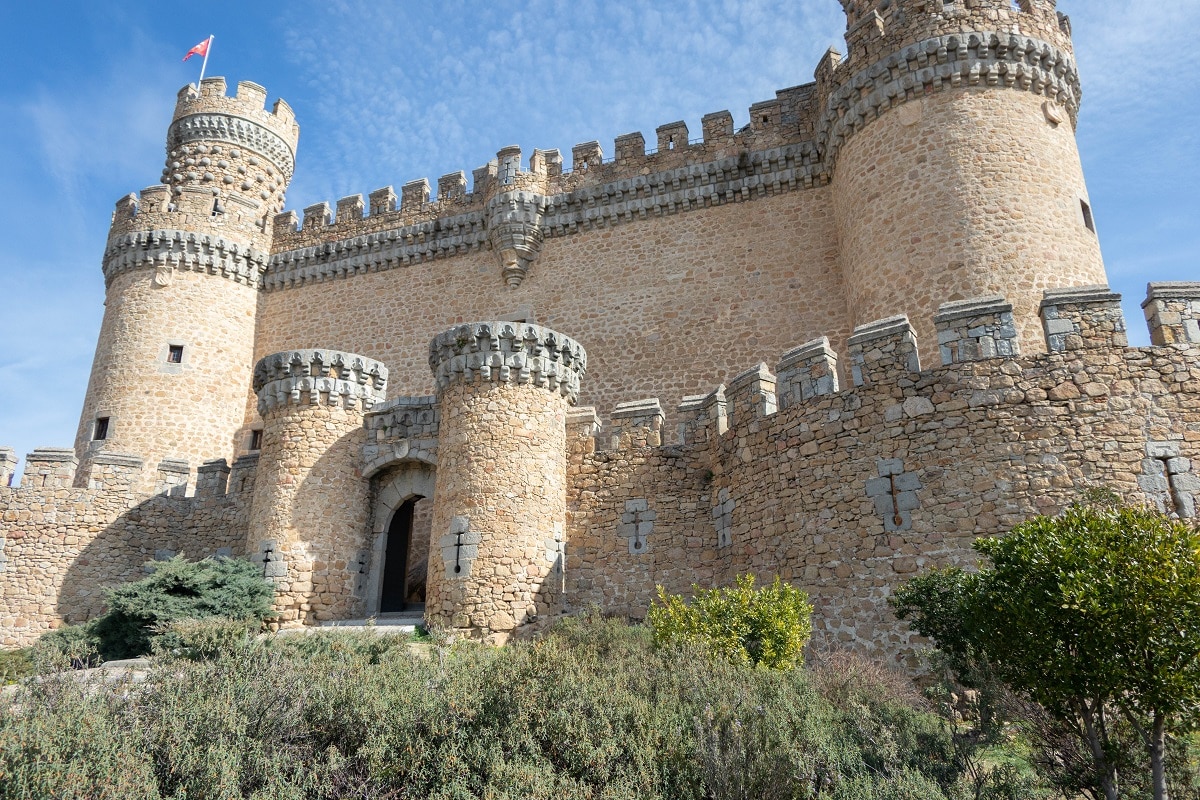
<point>592,711</point>
<point>15,665</point>
<point>176,590</point>
<point>767,626</point>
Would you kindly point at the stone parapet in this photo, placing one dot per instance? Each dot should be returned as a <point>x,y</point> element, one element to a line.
<point>240,121</point>
<point>969,59</point>
<point>637,424</point>
<point>212,478</point>
<point>8,466</point>
<point>319,377</point>
<point>172,477</point>
<point>884,352</point>
<point>167,250</point>
<point>751,395</point>
<point>507,352</point>
<point>114,471</point>
<point>806,372</point>
<point>975,330</point>
<point>1083,318</point>
<point>50,468</point>
<point>1173,312</point>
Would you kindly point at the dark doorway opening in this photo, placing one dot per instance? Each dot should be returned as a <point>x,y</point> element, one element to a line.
<point>395,560</point>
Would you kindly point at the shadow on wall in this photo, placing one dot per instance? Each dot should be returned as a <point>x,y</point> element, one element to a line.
<point>155,529</point>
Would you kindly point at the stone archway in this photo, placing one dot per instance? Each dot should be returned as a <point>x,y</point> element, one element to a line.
<point>398,486</point>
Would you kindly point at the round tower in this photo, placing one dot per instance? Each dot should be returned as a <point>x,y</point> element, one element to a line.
<point>182,269</point>
<point>497,551</point>
<point>309,515</point>
<point>951,127</point>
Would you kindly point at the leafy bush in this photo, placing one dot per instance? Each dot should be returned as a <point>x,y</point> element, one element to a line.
<point>15,665</point>
<point>767,626</point>
<point>176,590</point>
<point>593,711</point>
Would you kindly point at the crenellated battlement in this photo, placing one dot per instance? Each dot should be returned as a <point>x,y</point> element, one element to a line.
<point>319,377</point>
<point>507,352</point>
<point>976,340</point>
<point>170,249</point>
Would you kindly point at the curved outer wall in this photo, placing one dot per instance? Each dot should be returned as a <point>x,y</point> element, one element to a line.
<point>500,497</point>
<point>959,190</point>
<point>979,196</point>
<point>190,411</point>
<point>183,265</point>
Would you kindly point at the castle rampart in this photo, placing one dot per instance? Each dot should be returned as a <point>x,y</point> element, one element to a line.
<point>916,217</point>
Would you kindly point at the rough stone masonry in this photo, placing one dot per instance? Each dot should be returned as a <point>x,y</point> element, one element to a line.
<point>814,344</point>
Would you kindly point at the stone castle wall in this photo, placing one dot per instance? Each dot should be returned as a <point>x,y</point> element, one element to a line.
<point>931,172</point>
<point>848,493</point>
<point>60,547</point>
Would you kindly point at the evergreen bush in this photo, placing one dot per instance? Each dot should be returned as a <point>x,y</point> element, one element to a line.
<point>768,626</point>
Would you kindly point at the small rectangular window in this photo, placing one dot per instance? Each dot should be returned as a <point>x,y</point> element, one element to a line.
<point>175,354</point>
<point>256,440</point>
<point>100,431</point>
<point>1087,216</point>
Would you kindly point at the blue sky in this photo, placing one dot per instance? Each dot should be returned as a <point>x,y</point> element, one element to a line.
<point>388,92</point>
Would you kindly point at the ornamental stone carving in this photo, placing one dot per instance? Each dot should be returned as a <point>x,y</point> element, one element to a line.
<point>508,352</point>
<point>515,232</point>
<point>236,131</point>
<point>165,251</point>
<point>319,377</point>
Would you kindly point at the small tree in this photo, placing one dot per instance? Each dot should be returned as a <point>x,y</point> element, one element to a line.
<point>767,626</point>
<point>1090,613</point>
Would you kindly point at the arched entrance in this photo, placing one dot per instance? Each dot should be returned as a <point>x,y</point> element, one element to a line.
<point>403,574</point>
<point>403,513</point>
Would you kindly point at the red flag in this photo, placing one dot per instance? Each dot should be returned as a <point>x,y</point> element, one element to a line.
<point>199,50</point>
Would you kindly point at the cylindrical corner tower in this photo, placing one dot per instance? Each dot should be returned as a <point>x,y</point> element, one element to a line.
<point>498,544</point>
<point>952,131</point>
<point>309,515</point>
<point>182,269</point>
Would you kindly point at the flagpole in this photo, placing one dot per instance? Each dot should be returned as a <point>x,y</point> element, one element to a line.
<point>204,65</point>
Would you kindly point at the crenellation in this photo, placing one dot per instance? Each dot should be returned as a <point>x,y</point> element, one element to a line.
<point>546,163</point>
<point>586,156</point>
<point>506,352</point>
<point>349,209</point>
<point>717,127</point>
<point>383,201</point>
<point>319,377</point>
<point>884,353</point>
<point>751,396</point>
<point>212,478</point>
<point>243,473</point>
<point>806,372</point>
<point>318,215</point>
<point>672,136</point>
<point>766,116</point>
<point>1173,312</point>
<point>638,423</point>
<point>679,267</point>
<point>630,147</point>
<point>1083,318</point>
<point>171,479</point>
<point>976,330</point>
<point>8,466</point>
<point>414,195</point>
<point>114,472</point>
<point>50,468</point>
<point>452,186</point>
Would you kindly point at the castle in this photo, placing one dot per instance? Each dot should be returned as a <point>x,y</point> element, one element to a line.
<point>547,392</point>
